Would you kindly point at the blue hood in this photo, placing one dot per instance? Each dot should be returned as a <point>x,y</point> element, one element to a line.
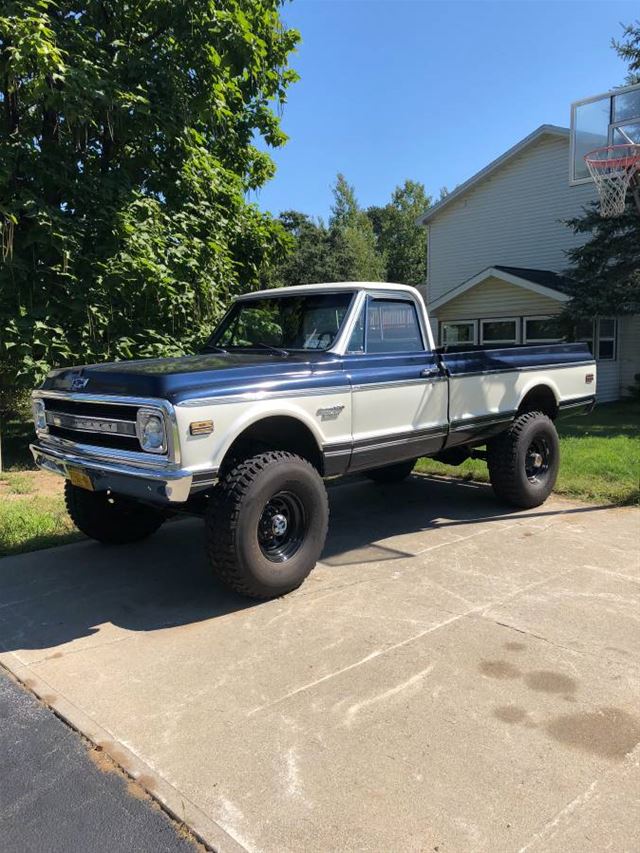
<point>206,375</point>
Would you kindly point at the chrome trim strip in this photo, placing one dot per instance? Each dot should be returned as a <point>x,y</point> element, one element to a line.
<point>257,396</point>
<point>65,417</point>
<point>517,369</point>
<point>481,421</point>
<point>395,442</point>
<point>399,383</point>
<point>177,482</point>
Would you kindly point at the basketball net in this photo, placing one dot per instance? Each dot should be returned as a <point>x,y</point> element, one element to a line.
<point>615,169</point>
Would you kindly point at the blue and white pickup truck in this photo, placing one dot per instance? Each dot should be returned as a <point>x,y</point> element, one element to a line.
<point>294,386</point>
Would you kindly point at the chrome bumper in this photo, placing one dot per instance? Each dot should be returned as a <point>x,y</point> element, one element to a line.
<point>152,484</point>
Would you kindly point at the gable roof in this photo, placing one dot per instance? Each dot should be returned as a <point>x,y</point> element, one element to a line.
<point>519,147</point>
<point>542,282</point>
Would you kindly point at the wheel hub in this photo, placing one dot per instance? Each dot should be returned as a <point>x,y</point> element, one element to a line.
<point>279,524</point>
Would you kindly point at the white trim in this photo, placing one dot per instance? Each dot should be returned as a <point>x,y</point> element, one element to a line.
<point>508,278</point>
<point>613,338</point>
<point>543,130</point>
<point>474,323</point>
<point>514,320</point>
<point>525,337</point>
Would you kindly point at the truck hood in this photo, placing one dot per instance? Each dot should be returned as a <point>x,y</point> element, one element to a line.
<point>205,375</point>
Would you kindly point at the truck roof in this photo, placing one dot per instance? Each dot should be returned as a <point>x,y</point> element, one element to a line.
<point>331,286</point>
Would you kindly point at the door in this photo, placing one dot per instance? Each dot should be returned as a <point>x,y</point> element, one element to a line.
<point>399,395</point>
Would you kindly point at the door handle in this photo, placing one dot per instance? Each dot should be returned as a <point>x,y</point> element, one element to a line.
<point>429,372</point>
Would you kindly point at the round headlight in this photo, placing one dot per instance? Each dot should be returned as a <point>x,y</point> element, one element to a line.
<point>151,432</point>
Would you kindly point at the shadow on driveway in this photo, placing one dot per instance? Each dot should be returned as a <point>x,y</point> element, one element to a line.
<point>52,597</point>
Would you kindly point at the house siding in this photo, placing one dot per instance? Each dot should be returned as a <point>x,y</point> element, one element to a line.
<point>495,298</point>
<point>628,351</point>
<point>513,218</point>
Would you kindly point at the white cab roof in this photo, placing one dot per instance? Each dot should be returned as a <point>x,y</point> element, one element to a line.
<point>331,286</point>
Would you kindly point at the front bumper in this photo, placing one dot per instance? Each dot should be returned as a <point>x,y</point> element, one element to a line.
<point>151,484</point>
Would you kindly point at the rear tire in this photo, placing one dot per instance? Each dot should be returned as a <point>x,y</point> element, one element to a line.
<point>109,518</point>
<point>395,473</point>
<point>266,524</point>
<point>523,462</point>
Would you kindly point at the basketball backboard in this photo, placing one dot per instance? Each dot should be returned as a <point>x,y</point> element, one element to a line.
<point>609,119</point>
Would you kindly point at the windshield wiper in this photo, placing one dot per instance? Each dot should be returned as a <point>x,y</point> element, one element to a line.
<point>214,348</point>
<point>278,350</point>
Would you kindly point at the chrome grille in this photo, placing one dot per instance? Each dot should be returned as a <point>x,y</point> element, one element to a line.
<point>99,424</point>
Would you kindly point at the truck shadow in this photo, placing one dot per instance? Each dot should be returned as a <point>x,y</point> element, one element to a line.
<point>49,598</point>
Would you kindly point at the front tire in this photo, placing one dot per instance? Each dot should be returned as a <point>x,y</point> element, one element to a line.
<point>109,518</point>
<point>523,462</point>
<point>266,524</point>
<point>395,473</point>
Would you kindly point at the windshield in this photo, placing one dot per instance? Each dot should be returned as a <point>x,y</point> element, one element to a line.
<point>300,322</point>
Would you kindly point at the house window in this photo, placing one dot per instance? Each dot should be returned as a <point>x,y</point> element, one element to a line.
<point>606,339</point>
<point>461,332</point>
<point>600,337</point>
<point>542,330</point>
<point>503,330</point>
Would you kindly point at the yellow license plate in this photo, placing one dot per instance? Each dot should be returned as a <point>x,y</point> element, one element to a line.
<point>79,478</point>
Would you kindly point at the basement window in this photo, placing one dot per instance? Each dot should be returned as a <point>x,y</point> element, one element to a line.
<point>460,332</point>
<point>541,330</point>
<point>503,330</point>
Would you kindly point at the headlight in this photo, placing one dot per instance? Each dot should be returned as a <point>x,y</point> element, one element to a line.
<point>151,431</point>
<point>39,415</point>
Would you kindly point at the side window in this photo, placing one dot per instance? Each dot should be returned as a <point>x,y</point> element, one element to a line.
<point>392,326</point>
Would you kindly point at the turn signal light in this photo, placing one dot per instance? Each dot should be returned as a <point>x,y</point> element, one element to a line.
<point>201,427</point>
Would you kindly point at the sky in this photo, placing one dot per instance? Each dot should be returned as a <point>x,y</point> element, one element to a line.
<point>433,91</point>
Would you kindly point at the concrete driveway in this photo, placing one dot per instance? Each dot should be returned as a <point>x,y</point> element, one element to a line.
<point>453,676</point>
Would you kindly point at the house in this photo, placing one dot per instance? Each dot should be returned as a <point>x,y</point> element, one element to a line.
<point>497,258</point>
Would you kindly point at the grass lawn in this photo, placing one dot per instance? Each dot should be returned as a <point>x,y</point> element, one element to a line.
<point>600,462</point>
<point>600,456</point>
<point>32,511</point>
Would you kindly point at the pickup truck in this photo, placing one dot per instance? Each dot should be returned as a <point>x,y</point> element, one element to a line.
<point>295,386</point>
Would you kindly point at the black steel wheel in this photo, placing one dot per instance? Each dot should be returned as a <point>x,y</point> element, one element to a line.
<point>282,527</point>
<point>523,461</point>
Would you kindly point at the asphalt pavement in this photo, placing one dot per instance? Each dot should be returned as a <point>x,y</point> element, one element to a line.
<point>57,794</point>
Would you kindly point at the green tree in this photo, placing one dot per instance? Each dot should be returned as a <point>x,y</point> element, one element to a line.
<point>400,240</point>
<point>311,259</point>
<point>127,145</point>
<point>355,255</point>
<point>605,270</point>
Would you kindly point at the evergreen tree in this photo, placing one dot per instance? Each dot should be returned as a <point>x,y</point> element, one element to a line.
<point>354,251</point>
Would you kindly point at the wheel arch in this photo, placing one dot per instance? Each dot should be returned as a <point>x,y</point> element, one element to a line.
<point>540,397</point>
<point>280,430</point>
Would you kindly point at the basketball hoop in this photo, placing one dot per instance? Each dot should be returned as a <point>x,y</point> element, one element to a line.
<point>614,170</point>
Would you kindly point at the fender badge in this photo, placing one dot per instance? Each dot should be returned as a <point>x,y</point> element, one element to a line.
<point>330,413</point>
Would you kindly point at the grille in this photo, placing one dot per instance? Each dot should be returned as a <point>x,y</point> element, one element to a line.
<point>98,424</point>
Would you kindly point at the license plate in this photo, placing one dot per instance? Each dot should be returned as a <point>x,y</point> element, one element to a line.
<point>79,478</point>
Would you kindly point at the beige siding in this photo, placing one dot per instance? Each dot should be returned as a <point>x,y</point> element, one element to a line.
<point>512,218</point>
<point>495,298</point>
<point>628,351</point>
